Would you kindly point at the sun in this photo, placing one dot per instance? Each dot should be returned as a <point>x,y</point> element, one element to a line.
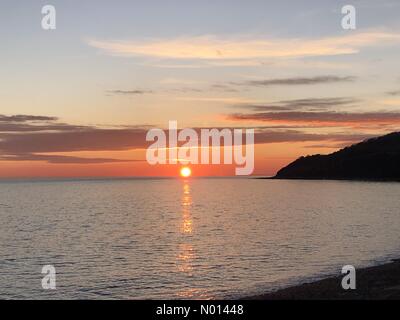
<point>186,172</point>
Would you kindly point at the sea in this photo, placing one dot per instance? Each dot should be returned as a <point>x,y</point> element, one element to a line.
<point>197,238</point>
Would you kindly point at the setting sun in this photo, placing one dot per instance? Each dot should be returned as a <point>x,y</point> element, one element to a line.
<point>186,172</point>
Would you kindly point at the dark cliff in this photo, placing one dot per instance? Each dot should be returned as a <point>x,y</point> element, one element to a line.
<point>373,159</point>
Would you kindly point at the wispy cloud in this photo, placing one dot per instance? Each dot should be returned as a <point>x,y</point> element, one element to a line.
<point>53,146</point>
<point>211,88</point>
<point>129,92</point>
<point>327,117</point>
<point>60,159</point>
<point>296,81</point>
<point>182,89</point>
<point>274,136</point>
<point>233,87</point>
<point>25,118</point>
<point>25,137</point>
<point>310,104</point>
<point>88,139</point>
<point>241,48</point>
<point>393,93</point>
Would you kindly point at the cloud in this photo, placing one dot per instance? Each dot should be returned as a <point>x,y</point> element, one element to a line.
<point>222,88</point>
<point>27,127</point>
<point>328,117</point>
<point>129,92</point>
<point>28,123</point>
<point>272,136</point>
<point>43,141</point>
<point>231,87</point>
<point>89,139</point>
<point>296,81</point>
<point>212,88</point>
<point>183,89</point>
<point>265,135</point>
<point>338,145</point>
<point>307,104</point>
<point>25,118</point>
<point>26,137</point>
<point>393,93</point>
<point>211,47</point>
<point>57,159</point>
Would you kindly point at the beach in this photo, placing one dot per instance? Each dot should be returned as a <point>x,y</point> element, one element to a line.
<point>374,283</point>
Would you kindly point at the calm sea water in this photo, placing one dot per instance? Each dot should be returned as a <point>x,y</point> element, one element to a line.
<point>201,238</point>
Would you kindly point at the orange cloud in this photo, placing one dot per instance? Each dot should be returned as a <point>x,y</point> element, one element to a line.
<point>217,48</point>
<point>330,118</point>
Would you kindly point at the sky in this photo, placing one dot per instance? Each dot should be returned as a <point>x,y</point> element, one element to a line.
<point>78,100</point>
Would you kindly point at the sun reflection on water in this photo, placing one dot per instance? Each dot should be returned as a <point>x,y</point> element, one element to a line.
<point>186,203</point>
<point>185,258</point>
<point>186,253</point>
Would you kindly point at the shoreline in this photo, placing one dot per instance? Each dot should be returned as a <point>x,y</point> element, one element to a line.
<point>380,282</point>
